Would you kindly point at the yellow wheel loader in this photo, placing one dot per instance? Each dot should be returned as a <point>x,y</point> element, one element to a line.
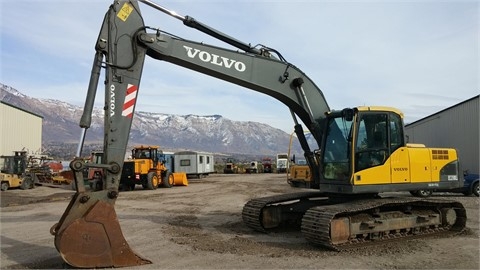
<point>145,168</point>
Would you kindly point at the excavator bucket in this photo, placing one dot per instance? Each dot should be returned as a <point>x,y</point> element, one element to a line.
<point>89,234</point>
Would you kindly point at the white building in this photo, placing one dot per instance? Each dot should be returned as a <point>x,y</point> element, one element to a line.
<point>19,130</point>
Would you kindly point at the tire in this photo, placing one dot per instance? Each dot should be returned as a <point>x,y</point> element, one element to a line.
<point>27,183</point>
<point>475,189</point>
<point>4,186</point>
<point>152,180</point>
<point>423,193</point>
<point>168,180</point>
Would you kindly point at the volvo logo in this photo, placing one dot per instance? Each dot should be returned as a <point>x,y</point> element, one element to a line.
<point>215,59</point>
<point>112,100</point>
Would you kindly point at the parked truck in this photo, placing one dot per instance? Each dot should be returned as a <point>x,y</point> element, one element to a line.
<point>252,167</point>
<point>266,165</point>
<point>282,162</point>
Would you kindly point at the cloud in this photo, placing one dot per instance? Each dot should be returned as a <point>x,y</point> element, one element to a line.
<point>418,56</point>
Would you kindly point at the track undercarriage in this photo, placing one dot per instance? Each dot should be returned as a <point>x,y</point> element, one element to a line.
<point>339,225</point>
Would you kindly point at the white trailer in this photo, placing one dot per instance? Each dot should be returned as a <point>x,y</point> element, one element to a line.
<point>197,164</point>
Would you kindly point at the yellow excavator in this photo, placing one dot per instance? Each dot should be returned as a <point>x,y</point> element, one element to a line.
<point>362,152</point>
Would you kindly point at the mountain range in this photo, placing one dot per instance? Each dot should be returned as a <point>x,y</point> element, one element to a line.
<point>212,133</point>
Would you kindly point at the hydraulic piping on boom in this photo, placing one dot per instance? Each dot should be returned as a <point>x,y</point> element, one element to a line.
<point>361,151</point>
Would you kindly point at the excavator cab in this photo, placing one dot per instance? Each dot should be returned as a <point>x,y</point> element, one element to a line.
<point>364,138</point>
<point>359,140</point>
<point>364,151</point>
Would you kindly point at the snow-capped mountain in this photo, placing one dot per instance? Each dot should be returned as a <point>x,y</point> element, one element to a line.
<point>212,133</point>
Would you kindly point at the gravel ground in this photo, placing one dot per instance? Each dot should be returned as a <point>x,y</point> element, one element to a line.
<point>199,227</point>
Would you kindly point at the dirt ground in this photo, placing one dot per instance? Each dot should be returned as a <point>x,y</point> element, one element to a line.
<point>200,227</point>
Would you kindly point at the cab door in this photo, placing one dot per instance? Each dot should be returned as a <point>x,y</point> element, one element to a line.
<point>400,157</point>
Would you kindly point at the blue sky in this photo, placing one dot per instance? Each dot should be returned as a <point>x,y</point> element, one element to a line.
<point>418,56</point>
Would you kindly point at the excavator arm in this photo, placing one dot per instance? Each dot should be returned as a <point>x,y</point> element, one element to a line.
<point>88,234</point>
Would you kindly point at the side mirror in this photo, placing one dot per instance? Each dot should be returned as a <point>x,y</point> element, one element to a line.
<point>348,114</point>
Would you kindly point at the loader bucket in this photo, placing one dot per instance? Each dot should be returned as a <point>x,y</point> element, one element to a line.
<point>180,179</point>
<point>89,235</point>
